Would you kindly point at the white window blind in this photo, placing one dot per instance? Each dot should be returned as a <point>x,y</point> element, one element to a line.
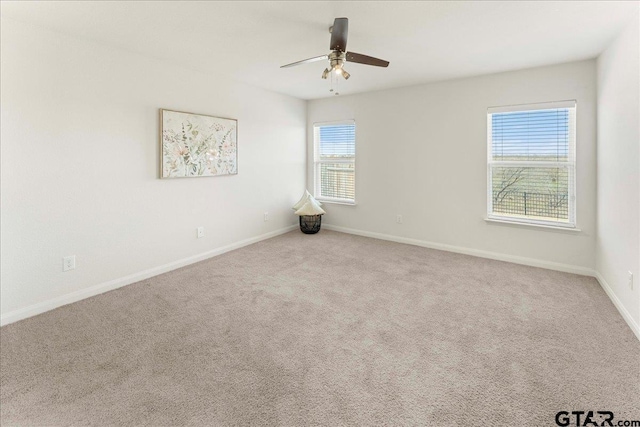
<point>335,161</point>
<point>531,163</point>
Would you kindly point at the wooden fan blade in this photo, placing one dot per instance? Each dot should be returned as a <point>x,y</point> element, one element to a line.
<point>367,60</point>
<point>306,61</point>
<point>339,34</point>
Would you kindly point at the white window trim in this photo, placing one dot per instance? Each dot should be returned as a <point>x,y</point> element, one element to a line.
<point>541,226</point>
<point>317,161</point>
<point>491,217</point>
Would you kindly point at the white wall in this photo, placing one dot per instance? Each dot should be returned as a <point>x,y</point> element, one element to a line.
<point>421,153</point>
<point>80,155</point>
<point>618,241</point>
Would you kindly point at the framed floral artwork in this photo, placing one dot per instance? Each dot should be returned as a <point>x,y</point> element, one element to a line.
<point>196,145</point>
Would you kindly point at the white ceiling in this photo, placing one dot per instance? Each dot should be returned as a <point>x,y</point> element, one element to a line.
<point>424,41</point>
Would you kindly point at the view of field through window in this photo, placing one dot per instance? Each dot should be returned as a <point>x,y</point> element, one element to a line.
<point>531,165</point>
<point>335,161</point>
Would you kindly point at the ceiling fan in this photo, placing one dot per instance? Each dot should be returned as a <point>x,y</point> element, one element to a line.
<point>339,54</point>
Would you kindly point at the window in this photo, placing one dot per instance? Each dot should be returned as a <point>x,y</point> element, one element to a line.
<point>531,163</point>
<point>335,161</point>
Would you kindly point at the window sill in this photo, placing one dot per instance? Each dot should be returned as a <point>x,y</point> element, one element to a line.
<point>528,224</point>
<point>335,202</point>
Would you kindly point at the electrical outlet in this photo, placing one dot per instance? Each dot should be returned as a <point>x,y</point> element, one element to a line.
<point>630,280</point>
<point>200,231</point>
<point>266,216</point>
<point>69,263</point>
<point>399,219</point>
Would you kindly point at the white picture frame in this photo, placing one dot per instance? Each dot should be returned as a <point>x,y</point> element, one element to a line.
<point>197,145</point>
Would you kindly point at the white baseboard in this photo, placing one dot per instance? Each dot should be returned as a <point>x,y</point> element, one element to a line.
<point>621,308</point>
<point>35,309</point>
<point>567,268</point>
<point>549,265</point>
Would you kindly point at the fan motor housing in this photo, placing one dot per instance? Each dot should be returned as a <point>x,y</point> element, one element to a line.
<point>336,58</point>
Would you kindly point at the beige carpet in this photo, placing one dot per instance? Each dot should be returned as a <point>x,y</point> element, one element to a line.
<point>328,329</point>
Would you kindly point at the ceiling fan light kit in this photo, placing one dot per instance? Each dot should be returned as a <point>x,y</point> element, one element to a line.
<point>336,60</point>
<point>339,55</point>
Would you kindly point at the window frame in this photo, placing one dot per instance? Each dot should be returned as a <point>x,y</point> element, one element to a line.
<point>570,165</point>
<point>317,161</point>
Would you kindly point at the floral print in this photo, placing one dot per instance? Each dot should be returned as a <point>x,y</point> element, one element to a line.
<point>195,145</point>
